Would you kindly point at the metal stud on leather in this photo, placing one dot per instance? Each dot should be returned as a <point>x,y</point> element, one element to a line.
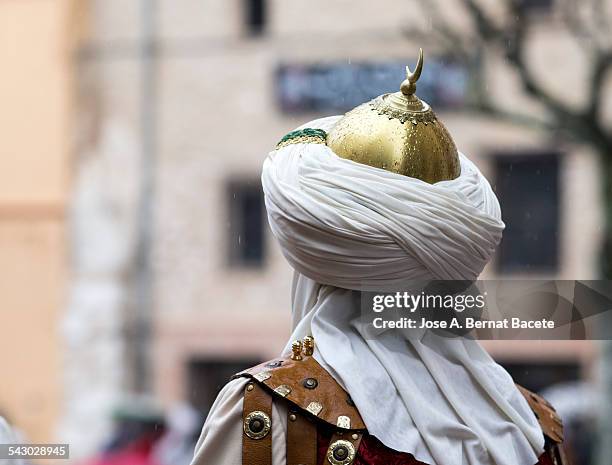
<point>257,425</point>
<point>341,452</point>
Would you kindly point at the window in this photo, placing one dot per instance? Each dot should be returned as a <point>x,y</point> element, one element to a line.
<point>537,5</point>
<point>528,190</point>
<point>246,223</point>
<point>342,86</point>
<point>205,378</point>
<point>255,16</point>
<point>537,376</point>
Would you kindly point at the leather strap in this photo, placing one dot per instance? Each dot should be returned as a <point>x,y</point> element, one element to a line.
<point>257,425</point>
<point>557,454</point>
<point>301,439</point>
<point>549,420</point>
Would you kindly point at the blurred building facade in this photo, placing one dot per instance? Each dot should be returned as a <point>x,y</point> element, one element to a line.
<point>36,91</point>
<point>178,103</point>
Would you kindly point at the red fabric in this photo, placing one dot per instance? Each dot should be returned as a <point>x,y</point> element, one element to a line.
<point>136,453</point>
<point>373,452</point>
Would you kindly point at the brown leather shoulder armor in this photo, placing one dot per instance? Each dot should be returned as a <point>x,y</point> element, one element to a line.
<point>308,388</point>
<point>314,399</point>
<point>549,420</point>
<point>551,426</point>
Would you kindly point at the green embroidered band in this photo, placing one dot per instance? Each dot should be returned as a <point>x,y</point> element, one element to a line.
<point>303,136</point>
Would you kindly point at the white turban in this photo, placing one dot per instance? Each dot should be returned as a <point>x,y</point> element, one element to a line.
<point>346,227</point>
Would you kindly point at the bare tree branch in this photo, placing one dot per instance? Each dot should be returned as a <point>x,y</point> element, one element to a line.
<point>452,42</point>
<point>484,24</point>
<point>513,39</point>
<point>601,20</point>
<point>601,66</point>
<point>510,38</point>
<point>502,114</point>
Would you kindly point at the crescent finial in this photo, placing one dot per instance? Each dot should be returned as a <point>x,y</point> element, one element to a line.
<point>408,87</point>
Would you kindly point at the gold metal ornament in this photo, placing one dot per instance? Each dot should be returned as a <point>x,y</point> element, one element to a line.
<point>296,349</point>
<point>343,422</point>
<point>262,376</point>
<point>341,452</point>
<point>310,383</point>
<point>257,424</point>
<point>283,390</point>
<point>398,132</point>
<point>308,345</point>
<point>314,408</point>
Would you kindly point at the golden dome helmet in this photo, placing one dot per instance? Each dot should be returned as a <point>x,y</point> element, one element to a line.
<point>398,132</point>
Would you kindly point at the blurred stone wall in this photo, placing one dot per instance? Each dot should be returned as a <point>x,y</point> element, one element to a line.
<point>35,115</point>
